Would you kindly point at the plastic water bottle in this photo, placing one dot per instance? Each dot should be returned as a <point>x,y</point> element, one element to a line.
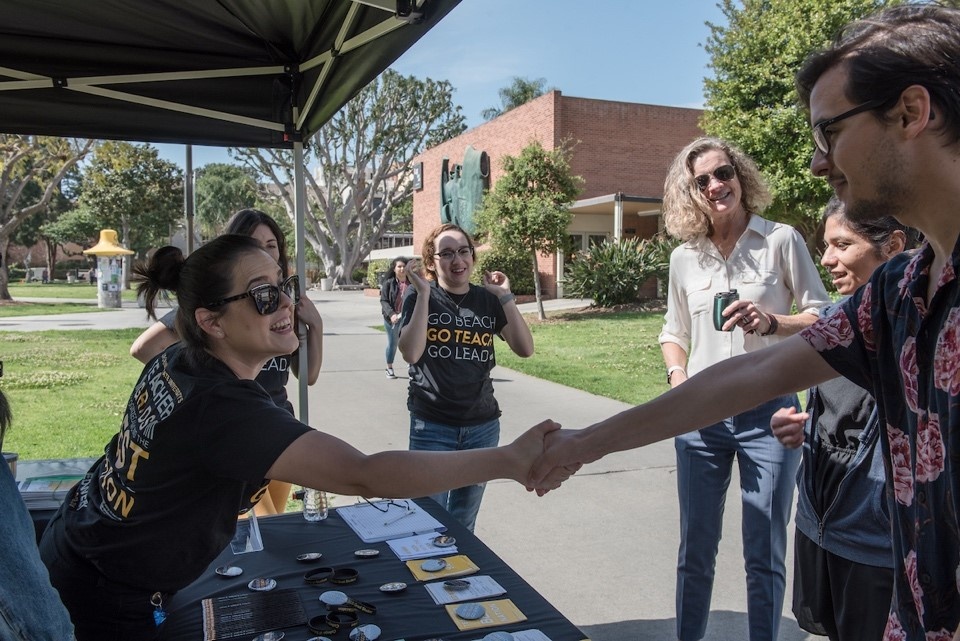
<point>314,504</point>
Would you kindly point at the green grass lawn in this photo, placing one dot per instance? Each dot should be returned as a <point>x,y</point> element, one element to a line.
<point>612,354</point>
<point>67,389</point>
<point>61,290</point>
<point>53,291</point>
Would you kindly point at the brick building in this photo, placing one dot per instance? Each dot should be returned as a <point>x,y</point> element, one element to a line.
<point>622,152</point>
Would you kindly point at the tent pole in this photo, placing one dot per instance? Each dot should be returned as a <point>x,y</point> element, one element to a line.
<point>300,211</point>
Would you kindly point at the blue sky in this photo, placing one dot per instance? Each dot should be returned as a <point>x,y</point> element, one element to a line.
<point>625,50</point>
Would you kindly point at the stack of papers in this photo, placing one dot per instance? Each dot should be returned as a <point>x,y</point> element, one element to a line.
<point>47,492</point>
<point>480,587</point>
<point>419,547</point>
<point>385,520</point>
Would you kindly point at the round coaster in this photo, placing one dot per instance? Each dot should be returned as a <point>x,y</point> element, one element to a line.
<point>366,554</point>
<point>433,565</point>
<point>269,636</point>
<point>455,585</point>
<point>367,632</point>
<point>333,598</point>
<point>470,611</point>
<point>498,636</point>
<point>262,585</point>
<point>319,639</point>
<point>444,541</point>
<point>309,557</point>
<point>229,570</point>
<point>397,586</point>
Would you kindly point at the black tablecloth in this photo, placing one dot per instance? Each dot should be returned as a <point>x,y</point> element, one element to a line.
<point>411,615</point>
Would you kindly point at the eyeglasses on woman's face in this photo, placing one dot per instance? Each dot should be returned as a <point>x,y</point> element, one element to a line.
<point>266,297</point>
<point>723,173</point>
<point>448,254</point>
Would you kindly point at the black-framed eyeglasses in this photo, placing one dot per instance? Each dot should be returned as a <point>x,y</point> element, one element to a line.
<point>820,137</point>
<point>448,254</point>
<point>723,173</point>
<point>266,297</point>
<point>384,505</point>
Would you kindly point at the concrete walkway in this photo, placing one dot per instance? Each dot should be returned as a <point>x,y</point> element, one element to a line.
<point>602,549</point>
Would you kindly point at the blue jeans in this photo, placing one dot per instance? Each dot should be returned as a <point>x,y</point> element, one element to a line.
<point>30,609</point>
<point>462,503</point>
<point>767,478</point>
<point>391,341</point>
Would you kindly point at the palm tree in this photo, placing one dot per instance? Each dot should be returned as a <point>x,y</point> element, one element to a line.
<point>520,92</point>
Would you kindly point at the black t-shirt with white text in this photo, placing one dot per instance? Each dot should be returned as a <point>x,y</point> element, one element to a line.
<point>450,384</point>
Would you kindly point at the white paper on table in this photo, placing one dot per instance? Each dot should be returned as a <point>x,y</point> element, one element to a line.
<point>419,546</point>
<point>481,587</point>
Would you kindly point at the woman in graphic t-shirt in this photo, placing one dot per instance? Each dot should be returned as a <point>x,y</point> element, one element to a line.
<point>446,334</point>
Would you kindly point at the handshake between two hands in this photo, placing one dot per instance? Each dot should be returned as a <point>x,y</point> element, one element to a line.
<point>550,456</point>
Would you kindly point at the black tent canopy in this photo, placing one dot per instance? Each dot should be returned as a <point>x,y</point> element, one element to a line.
<point>244,73</point>
<point>237,73</point>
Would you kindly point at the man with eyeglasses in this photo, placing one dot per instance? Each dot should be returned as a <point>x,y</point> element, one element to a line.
<point>884,103</point>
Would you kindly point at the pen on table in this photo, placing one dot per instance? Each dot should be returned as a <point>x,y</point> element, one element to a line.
<point>397,518</point>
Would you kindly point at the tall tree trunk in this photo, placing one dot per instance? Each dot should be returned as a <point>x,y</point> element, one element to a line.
<point>536,286</point>
<point>4,273</point>
<point>51,256</point>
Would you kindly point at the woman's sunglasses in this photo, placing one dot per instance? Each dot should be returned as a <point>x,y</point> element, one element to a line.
<point>266,297</point>
<point>723,173</point>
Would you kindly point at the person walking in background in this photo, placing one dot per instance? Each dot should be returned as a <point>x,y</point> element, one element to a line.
<point>843,553</point>
<point>713,197</point>
<point>392,290</point>
<point>276,371</point>
<point>30,609</point>
<point>446,335</point>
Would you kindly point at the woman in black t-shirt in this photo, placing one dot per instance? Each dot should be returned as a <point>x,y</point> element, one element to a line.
<point>276,371</point>
<point>446,334</point>
<point>199,440</point>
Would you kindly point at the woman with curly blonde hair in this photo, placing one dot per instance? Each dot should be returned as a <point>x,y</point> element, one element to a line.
<point>713,197</point>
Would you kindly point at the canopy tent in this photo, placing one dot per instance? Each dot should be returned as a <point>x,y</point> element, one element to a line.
<point>242,73</point>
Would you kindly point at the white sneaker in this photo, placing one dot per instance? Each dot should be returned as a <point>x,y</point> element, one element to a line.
<point>390,373</point>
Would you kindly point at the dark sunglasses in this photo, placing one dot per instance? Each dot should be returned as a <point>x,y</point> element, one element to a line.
<point>266,297</point>
<point>723,173</point>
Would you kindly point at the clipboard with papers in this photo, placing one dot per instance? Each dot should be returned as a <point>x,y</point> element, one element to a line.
<point>379,521</point>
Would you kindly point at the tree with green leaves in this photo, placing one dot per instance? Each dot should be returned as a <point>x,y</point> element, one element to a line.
<point>529,207</point>
<point>35,229</point>
<point>363,157</point>
<point>222,189</point>
<point>131,189</point>
<point>751,100</point>
<point>30,162</point>
<point>520,91</point>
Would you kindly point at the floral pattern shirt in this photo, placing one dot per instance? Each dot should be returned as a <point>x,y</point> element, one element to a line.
<point>888,339</point>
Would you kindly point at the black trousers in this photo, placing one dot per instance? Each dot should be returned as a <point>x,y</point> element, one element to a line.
<point>838,598</point>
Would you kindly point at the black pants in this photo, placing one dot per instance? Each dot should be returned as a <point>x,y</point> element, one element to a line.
<point>101,610</point>
<point>839,598</point>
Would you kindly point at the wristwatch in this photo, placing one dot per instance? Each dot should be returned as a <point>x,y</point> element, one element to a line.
<point>672,369</point>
